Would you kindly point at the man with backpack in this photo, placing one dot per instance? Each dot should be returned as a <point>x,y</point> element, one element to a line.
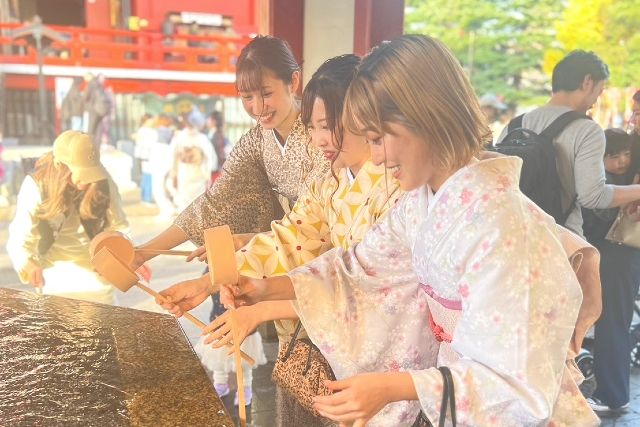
<point>576,145</point>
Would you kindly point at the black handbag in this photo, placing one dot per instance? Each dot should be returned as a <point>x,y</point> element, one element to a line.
<point>448,402</point>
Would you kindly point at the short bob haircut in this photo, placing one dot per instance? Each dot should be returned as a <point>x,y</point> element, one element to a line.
<point>415,81</point>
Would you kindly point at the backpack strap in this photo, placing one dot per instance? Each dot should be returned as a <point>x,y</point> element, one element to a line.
<point>515,123</point>
<point>558,125</point>
<point>551,132</point>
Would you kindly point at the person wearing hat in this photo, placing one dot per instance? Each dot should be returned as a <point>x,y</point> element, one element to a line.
<point>493,107</point>
<point>62,205</point>
<point>193,160</point>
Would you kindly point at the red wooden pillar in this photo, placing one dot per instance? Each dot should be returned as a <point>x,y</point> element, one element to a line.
<point>376,21</point>
<point>286,21</point>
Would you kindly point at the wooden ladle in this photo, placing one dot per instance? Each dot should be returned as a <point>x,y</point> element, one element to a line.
<point>221,257</point>
<point>122,277</point>
<point>123,248</point>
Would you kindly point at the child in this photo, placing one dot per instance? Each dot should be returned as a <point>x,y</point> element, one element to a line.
<point>620,276</point>
<point>62,205</point>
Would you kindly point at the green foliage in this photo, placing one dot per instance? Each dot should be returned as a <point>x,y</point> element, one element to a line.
<point>509,47</point>
<point>500,42</point>
<point>607,27</point>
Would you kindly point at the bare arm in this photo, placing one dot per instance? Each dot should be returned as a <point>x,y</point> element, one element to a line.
<point>169,238</point>
<point>250,291</point>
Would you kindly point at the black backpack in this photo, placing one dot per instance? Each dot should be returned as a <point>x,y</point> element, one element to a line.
<point>539,178</point>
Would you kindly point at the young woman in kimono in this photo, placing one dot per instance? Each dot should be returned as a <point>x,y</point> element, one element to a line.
<point>335,212</point>
<point>502,297</point>
<point>270,163</point>
<point>264,172</point>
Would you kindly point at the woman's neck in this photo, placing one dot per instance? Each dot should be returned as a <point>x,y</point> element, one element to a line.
<point>284,129</point>
<point>440,177</point>
<point>357,167</point>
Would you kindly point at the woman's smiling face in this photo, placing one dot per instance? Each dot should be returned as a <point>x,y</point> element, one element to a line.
<point>404,154</point>
<point>352,152</point>
<point>272,105</point>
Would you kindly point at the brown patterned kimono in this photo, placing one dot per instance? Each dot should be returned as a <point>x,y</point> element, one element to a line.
<point>257,182</point>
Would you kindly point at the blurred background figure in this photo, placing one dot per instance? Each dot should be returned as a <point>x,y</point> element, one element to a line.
<point>219,142</point>
<point>193,157</point>
<point>72,108</point>
<point>493,108</point>
<point>146,138</point>
<point>96,107</point>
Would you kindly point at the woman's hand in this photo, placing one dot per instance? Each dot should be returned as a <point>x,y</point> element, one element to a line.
<point>355,400</point>
<point>247,291</point>
<point>138,260</point>
<point>200,253</point>
<point>186,295</point>
<point>246,320</point>
<point>34,274</point>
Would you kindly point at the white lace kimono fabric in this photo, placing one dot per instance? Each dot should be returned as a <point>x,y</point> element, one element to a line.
<point>474,278</point>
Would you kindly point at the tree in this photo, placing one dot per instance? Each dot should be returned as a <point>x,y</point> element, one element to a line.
<point>606,27</point>
<point>501,43</point>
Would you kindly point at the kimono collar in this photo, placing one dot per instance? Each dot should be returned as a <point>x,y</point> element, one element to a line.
<point>368,168</point>
<point>467,189</point>
<point>296,129</point>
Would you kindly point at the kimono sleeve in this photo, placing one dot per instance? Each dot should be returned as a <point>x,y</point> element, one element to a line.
<point>520,300</point>
<point>299,237</point>
<point>22,244</point>
<point>340,292</point>
<point>241,197</point>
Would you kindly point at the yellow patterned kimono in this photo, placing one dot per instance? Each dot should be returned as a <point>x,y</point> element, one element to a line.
<point>330,214</point>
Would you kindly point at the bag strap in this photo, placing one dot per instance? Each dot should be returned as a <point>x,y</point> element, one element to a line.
<point>294,337</point>
<point>448,397</point>
<point>561,122</point>
<point>551,132</point>
<point>515,123</point>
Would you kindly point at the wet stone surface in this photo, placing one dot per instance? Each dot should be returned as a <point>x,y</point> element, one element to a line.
<point>69,362</point>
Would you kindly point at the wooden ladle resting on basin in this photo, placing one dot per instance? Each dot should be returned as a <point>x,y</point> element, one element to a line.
<point>119,275</point>
<point>123,248</point>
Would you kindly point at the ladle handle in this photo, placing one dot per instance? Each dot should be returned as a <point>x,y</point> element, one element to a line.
<point>199,323</point>
<point>164,252</point>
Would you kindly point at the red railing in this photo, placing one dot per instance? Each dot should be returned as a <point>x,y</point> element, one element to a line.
<point>128,49</point>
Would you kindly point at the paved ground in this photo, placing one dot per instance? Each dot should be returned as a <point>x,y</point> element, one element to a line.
<point>169,270</point>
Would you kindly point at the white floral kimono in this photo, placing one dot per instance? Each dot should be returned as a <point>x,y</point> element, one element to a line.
<point>502,303</point>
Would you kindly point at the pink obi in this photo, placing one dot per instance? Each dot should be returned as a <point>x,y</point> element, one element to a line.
<point>443,317</point>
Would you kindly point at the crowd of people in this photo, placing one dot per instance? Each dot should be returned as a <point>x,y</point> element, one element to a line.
<point>176,160</point>
<point>371,220</point>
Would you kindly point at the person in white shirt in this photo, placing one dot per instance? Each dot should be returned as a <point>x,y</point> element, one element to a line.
<point>62,205</point>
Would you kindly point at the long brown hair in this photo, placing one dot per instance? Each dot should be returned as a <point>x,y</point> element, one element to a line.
<point>417,82</point>
<point>60,196</point>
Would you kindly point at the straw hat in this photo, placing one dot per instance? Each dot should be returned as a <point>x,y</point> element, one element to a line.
<point>76,150</point>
